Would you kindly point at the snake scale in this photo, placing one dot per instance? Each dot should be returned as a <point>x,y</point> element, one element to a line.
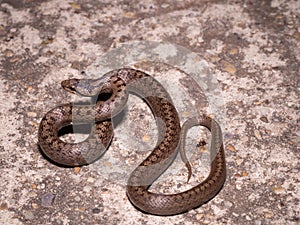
<point>118,83</point>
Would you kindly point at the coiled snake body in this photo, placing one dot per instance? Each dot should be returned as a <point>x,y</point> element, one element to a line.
<point>118,83</point>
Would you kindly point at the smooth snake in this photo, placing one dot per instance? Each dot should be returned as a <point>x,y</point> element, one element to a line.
<point>116,84</point>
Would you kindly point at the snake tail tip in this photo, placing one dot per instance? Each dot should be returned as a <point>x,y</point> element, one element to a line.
<point>189,167</point>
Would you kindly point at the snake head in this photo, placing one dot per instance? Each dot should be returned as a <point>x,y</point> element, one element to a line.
<point>86,87</point>
<point>71,85</point>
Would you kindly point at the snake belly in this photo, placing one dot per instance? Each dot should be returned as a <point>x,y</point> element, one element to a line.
<point>169,133</point>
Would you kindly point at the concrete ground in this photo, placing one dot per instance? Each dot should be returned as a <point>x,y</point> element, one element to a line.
<point>251,49</point>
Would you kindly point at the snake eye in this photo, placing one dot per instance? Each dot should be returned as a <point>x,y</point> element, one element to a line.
<point>71,89</point>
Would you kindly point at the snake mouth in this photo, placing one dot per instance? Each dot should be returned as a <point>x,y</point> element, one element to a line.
<point>70,85</point>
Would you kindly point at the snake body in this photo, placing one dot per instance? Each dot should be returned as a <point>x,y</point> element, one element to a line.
<point>118,83</point>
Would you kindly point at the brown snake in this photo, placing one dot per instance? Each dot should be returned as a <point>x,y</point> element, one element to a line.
<point>118,83</point>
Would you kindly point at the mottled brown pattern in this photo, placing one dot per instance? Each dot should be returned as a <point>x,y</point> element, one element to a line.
<point>119,83</point>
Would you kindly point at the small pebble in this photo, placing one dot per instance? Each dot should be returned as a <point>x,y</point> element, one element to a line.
<point>8,53</point>
<point>76,169</point>
<point>96,210</point>
<point>239,161</point>
<point>87,189</point>
<point>235,214</point>
<point>129,14</point>
<point>268,215</point>
<point>231,148</point>
<point>3,206</point>
<point>91,179</point>
<point>28,215</point>
<point>146,138</point>
<point>257,134</point>
<point>233,51</point>
<point>29,88</point>
<point>47,200</point>
<point>264,119</point>
<point>244,174</point>
<point>278,189</point>
<point>165,5</point>
<point>35,206</point>
<point>82,208</point>
<point>75,5</point>
<point>228,67</point>
<point>31,114</point>
<point>215,59</point>
<point>199,216</point>
<point>41,186</point>
<point>228,204</point>
<point>107,163</point>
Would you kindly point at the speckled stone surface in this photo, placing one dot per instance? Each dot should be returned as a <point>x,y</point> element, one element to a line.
<point>252,50</point>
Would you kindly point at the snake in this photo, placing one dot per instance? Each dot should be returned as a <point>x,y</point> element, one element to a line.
<point>116,85</point>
